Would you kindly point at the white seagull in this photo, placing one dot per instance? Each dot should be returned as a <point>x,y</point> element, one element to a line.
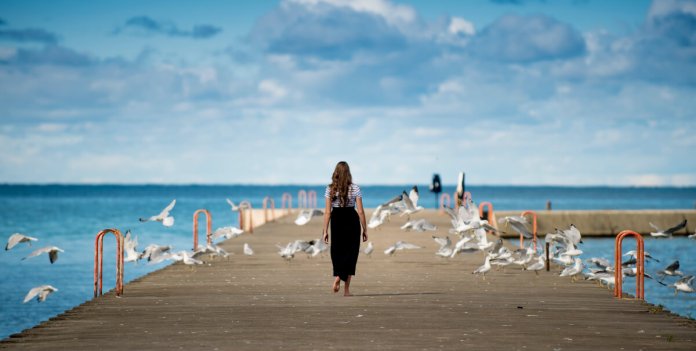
<point>369,249</point>
<point>18,238</point>
<point>538,265</point>
<point>163,216</point>
<point>660,233</point>
<point>227,232</point>
<point>400,245</point>
<point>684,285</point>
<point>40,292</point>
<point>484,268</point>
<point>130,247</point>
<point>247,250</point>
<point>52,252</point>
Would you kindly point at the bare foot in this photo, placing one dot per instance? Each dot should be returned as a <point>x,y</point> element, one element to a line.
<point>336,286</point>
<point>347,294</point>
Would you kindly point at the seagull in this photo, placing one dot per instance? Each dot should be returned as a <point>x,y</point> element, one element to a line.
<point>537,266</point>
<point>647,255</point>
<point>684,285</point>
<point>410,202</point>
<point>184,256</point>
<point>671,270</point>
<point>418,225</point>
<point>247,250</point>
<point>17,238</point>
<point>659,233</point>
<point>573,270</point>
<point>316,247</point>
<point>304,217</point>
<point>692,236</point>
<point>236,208</point>
<point>378,217</point>
<point>40,292</point>
<point>443,242</point>
<point>52,252</point>
<point>518,224</point>
<point>369,249</point>
<point>163,217</point>
<point>602,263</point>
<point>155,253</point>
<point>485,268</point>
<point>400,245</point>
<point>130,248</point>
<point>227,232</point>
<point>212,250</point>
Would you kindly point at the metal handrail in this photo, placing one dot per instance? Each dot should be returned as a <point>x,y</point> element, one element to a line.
<point>301,199</point>
<point>491,216</point>
<point>245,206</point>
<point>442,202</point>
<point>534,229</point>
<point>312,195</point>
<point>208,227</point>
<point>265,209</point>
<point>640,265</point>
<point>288,197</point>
<point>99,262</point>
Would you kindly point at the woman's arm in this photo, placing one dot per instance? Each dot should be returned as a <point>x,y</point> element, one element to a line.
<point>361,214</point>
<point>327,217</point>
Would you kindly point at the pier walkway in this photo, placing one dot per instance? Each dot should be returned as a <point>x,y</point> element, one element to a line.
<point>412,300</point>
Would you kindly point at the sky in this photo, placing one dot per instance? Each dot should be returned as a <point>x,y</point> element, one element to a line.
<point>513,92</point>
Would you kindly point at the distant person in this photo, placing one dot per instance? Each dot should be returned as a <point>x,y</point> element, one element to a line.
<point>344,210</point>
<point>436,187</point>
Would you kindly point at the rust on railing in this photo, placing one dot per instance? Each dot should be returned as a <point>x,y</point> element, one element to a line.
<point>534,229</point>
<point>99,261</point>
<point>208,227</point>
<point>640,265</point>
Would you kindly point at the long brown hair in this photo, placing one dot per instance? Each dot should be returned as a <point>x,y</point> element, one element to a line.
<point>340,182</point>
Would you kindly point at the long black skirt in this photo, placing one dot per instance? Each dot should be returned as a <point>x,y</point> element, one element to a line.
<point>345,241</point>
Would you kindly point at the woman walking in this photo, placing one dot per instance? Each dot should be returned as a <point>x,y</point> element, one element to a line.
<point>344,210</point>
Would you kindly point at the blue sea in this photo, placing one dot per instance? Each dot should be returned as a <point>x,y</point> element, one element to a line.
<point>69,216</point>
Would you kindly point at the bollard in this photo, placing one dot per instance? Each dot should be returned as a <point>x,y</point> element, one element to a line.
<point>640,265</point>
<point>548,205</point>
<point>99,261</point>
<point>312,202</point>
<point>208,227</point>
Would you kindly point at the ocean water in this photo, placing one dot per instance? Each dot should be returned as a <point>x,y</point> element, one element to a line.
<point>69,216</point>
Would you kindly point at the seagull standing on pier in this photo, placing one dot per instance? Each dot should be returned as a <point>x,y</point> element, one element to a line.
<point>369,249</point>
<point>18,238</point>
<point>163,216</point>
<point>247,250</point>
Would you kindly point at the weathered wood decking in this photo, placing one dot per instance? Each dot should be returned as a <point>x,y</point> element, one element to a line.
<point>413,300</point>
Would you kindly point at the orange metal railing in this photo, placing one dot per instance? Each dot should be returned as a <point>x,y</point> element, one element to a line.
<point>208,227</point>
<point>640,265</point>
<point>244,208</point>
<point>312,203</point>
<point>99,262</point>
<point>288,197</point>
<point>490,217</point>
<point>266,200</point>
<point>534,229</point>
<point>444,197</point>
<point>301,199</point>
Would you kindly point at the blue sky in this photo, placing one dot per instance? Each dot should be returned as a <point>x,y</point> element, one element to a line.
<point>567,92</point>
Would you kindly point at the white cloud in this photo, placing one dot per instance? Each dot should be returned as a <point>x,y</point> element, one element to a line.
<point>459,25</point>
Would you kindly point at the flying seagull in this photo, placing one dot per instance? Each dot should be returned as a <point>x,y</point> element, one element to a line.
<point>52,252</point>
<point>659,233</point>
<point>17,238</point>
<point>40,292</point>
<point>163,217</point>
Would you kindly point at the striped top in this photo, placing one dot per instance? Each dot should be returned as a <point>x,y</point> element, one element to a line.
<point>353,193</point>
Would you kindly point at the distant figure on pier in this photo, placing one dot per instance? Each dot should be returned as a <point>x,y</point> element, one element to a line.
<point>436,187</point>
<point>344,211</point>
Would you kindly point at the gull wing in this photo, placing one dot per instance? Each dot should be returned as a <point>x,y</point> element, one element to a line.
<point>53,256</point>
<point>17,238</point>
<point>165,212</point>
<point>655,227</point>
<point>407,201</point>
<point>686,280</point>
<point>520,229</point>
<point>38,252</point>
<point>33,292</point>
<point>405,245</point>
<point>392,201</point>
<point>413,196</point>
<point>677,227</point>
<point>232,205</point>
<point>673,266</point>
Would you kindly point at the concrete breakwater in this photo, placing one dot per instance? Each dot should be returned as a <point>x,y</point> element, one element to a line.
<point>608,222</point>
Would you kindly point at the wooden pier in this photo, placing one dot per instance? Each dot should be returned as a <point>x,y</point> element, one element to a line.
<point>412,300</point>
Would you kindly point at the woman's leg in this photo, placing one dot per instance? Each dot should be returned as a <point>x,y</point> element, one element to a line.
<point>346,287</point>
<point>336,284</point>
